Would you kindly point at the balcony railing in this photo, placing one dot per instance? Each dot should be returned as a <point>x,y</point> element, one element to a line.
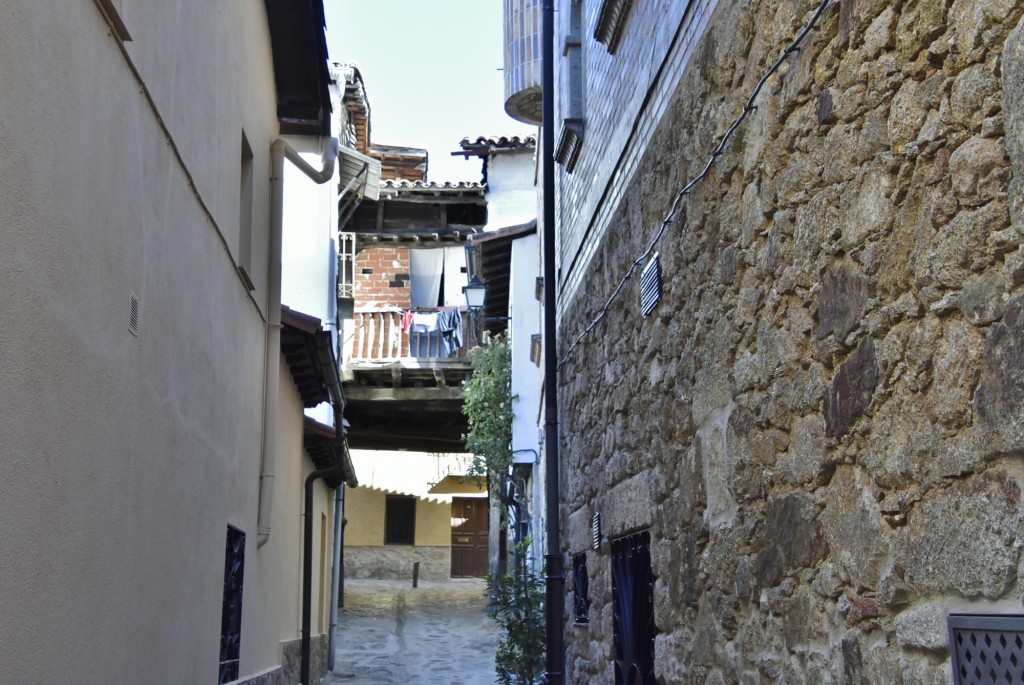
<point>379,335</point>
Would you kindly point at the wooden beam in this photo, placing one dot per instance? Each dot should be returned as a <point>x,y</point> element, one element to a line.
<point>369,394</point>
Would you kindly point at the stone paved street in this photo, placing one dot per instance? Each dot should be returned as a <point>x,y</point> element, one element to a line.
<point>390,633</point>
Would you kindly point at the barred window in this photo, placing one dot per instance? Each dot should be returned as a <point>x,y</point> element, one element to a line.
<point>633,610</point>
<point>581,588</point>
<point>400,520</point>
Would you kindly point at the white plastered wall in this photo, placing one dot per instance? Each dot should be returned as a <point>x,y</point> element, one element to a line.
<point>511,194</point>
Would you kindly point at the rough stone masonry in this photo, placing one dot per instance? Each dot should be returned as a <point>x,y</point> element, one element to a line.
<point>822,423</point>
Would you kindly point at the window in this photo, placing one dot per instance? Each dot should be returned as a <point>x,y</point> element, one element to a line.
<point>437,277</point>
<point>633,610</point>
<point>400,520</point>
<point>231,611</point>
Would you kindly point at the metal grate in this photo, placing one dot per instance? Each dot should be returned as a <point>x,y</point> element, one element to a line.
<point>987,649</point>
<point>595,530</point>
<point>231,612</point>
<point>633,610</point>
<point>581,588</point>
<point>134,309</point>
<point>650,286</point>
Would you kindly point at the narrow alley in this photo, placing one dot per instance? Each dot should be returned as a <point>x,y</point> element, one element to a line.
<point>390,633</point>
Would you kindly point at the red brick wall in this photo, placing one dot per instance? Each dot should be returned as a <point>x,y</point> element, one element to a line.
<point>382,277</point>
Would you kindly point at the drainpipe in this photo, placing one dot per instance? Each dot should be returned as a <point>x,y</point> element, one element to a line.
<point>272,362</point>
<point>307,566</point>
<point>339,516</point>
<point>555,581</point>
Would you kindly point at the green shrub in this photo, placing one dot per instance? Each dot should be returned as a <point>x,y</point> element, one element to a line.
<point>518,607</point>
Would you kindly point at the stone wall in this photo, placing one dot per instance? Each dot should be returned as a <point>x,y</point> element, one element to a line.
<point>822,423</point>
<point>395,562</point>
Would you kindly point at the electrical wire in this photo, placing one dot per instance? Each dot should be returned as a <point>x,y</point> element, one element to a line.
<point>684,193</point>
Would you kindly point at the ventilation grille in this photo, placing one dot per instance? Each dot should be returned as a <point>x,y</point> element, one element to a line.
<point>134,309</point>
<point>987,650</point>
<point>650,285</point>
<point>595,529</point>
<point>610,22</point>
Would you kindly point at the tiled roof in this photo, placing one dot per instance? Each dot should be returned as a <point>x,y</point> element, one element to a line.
<point>430,185</point>
<point>508,142</point>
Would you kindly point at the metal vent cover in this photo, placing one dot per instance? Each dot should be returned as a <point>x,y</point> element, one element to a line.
<point>595,529</point>
<point>986,649</point>
<point>134,310</point>
<point>650,285</point>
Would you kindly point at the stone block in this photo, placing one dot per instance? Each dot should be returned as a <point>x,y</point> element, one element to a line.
<point>806,459</point>
<point>629,507</point>
<point>1013,115</point>
<point>965,539</point>
<point>951,252</point>
<point>716,458</point>
<point>854,529</point>
<point>842,299</point>
<point>982,298</point>
<point>999,400</point>
<point>923,627</point>
<point>791,538</point>
<point>849,393</point>
<point>979,171</point>
<point>957,365</point>
<point>973,97</point>
<point>870,209</point>
<point>578,532</point>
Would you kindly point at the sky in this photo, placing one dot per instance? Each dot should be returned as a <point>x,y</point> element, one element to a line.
<point>432,70</point>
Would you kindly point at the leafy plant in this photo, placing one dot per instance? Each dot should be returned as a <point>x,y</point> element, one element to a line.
<point>518,607</point>
<point>487,405</point>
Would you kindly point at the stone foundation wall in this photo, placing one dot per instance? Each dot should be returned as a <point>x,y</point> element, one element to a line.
<point>822,423</point>
<point>291,664</point>
<point>394,562</point>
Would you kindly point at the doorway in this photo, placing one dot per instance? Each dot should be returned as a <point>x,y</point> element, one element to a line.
<point>470,521</point>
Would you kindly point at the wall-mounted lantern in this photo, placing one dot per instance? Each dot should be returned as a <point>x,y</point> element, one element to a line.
<point>475,291</point>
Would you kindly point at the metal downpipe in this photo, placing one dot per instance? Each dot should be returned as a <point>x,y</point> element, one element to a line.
<point>307,567</point>
<point>339,513</point>
<point>272,361</point>
<point>555,580</point>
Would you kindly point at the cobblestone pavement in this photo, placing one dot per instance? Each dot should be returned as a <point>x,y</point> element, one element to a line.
<point>390,633</point>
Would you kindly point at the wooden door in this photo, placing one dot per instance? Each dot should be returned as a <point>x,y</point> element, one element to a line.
<point>470,520</point>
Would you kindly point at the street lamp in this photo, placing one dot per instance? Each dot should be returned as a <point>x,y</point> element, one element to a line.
<point>475,291</point>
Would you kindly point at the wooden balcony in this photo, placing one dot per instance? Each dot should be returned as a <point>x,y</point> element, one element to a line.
<point>378,335</point>
<point>404,388</point>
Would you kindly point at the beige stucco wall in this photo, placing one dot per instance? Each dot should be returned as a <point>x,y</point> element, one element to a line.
<point>364,513</point>
<point>272,610</point>
<point>124,458</point>
<point>433,523</point>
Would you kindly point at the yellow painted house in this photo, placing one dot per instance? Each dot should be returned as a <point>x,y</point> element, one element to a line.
<point>414,508</point>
